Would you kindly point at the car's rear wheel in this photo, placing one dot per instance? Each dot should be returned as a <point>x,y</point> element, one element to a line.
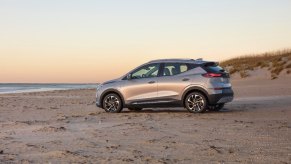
<point>134,108</point>
<point>216,107</point>
<point>112,103</point>
<point>195,102</point>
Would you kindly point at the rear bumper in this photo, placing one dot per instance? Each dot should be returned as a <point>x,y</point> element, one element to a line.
<point>224,97</point>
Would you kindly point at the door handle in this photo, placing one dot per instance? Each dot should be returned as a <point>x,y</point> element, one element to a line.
<point>185,79</point>
<point>151,82</point>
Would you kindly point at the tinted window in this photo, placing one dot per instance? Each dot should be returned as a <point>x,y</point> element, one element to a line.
<point>171,69</point>
<point>213,68</point>
<point>147,71</point>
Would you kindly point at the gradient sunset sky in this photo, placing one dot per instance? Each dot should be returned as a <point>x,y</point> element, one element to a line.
<point>93,41</point>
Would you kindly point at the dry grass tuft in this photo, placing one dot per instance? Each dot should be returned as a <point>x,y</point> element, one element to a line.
<point>277,70</point>
<point>275,62</point>
<point>243,74</point>
<point>273,77</point>
<point>288,66</point>
<point>233,70</point>
<point>264,65</point>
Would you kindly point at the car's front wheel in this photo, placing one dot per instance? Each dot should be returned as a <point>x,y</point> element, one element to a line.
<point>195,102</point>
<point>112,103</point>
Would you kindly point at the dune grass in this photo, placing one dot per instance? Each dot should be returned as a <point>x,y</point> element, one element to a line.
<point>275,62</point>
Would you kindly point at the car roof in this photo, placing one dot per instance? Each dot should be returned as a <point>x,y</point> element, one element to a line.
<point>197,61</point>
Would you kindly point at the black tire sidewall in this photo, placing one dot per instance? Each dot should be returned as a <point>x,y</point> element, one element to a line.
<point>217,107</point>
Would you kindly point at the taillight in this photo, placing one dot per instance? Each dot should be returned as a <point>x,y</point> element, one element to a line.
<point>210,75</point>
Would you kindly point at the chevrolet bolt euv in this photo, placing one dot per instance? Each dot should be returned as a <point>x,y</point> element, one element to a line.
<point>196,85</point>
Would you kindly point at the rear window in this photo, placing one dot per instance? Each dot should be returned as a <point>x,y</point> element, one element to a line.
<point>213,68</point>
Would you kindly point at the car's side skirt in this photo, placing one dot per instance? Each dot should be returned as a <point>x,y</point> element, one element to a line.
<point>155,104</point>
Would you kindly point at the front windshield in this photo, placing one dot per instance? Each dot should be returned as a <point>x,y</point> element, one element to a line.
<point>147,71</point>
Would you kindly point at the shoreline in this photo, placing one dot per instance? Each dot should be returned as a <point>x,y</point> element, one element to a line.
<point>12,88</point>
<point>43,90</point>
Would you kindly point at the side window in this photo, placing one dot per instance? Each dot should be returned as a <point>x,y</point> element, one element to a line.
<point>183,68</point>
<point>146,71</point>
<point>172,69</point>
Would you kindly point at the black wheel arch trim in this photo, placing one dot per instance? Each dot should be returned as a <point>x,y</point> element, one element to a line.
<point>102,96</point>
<point>199,89</point>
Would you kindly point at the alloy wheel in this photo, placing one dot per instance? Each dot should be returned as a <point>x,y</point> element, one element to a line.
<point>112,103</point>
<point>195,103</point>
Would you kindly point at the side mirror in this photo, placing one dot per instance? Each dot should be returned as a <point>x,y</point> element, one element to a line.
<point>129,76</point>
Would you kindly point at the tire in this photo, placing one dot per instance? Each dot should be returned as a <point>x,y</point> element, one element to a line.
<point>216,107</point>
<point>134,108</point>
<point>112,103</point>
<point>195,102</point>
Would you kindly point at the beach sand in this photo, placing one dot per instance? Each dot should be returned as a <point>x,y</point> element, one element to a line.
<point>66,126</point>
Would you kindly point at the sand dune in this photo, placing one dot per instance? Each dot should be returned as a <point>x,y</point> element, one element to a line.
<point>65,126</point>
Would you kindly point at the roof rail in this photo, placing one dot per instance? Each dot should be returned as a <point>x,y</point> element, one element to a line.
<point>173,59</point>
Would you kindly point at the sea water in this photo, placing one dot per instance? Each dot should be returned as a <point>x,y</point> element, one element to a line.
<point>23,87</point>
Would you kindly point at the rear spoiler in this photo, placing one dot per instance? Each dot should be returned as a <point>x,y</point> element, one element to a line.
<point>211,64</point>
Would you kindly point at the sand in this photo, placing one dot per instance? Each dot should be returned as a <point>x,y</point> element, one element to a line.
<point>66,127</point>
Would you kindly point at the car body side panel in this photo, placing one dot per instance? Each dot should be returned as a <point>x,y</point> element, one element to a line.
<point>172,87</point>
<point>139,89</point>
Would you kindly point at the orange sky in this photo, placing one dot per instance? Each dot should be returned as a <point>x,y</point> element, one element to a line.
<point>95,41</point>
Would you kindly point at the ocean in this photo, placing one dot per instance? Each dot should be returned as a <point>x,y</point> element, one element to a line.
<point>30,87</point>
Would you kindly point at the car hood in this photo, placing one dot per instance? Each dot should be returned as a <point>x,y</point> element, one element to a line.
<point>111,81</point>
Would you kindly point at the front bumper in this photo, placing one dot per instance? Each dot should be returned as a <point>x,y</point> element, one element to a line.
<point>224,97</point>
<point>98,104</point>
<point>98,94</point>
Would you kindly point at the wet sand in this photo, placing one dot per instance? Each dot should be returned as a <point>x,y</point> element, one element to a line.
<point>66,126</point>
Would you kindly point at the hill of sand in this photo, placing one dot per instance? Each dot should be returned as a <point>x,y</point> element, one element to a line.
<point>269,65</point>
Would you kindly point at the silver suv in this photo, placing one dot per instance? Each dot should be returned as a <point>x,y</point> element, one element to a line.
<point>196,85</point>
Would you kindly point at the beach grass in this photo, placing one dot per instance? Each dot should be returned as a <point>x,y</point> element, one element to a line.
<point>275,62</point>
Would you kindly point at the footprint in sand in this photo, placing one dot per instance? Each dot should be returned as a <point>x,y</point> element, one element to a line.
<point>51,129</point>
<point>61,118</point>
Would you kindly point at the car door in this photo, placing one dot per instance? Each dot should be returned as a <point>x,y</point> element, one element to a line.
<point>173,81</point>
<point>141,86</point>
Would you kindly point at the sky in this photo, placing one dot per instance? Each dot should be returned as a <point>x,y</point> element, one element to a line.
<point>91,41</point>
